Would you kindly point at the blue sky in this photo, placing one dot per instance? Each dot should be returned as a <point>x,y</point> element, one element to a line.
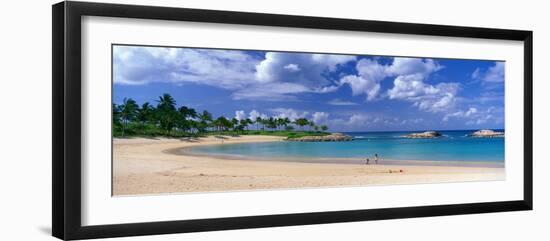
<point>345,92</point>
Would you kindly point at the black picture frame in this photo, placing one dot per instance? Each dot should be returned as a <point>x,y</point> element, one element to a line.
<point>66,158</point>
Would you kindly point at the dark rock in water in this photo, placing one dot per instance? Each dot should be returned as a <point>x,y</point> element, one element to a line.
<point>427,134</point>
<point>331,137</point>
<point>487,133</point>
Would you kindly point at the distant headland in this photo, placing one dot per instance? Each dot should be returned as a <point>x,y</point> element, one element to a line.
<point>330,137</point>
<point>485,133</point>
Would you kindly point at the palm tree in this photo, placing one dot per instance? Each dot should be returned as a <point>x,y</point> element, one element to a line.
<point>166,116</point>
<point>166,102</point>
<point>166,112</point>
<point>205,116</point>
<point>234,123</point>
<point>301,122</point>
<point>185,113</point>
<point>116,114</point>
<point>259,120</point>
<point>279,122</point>
<point>222,123</point>
<point>228,124</point>
<point>286,122</point>
<point>216,124</point>
<point>242,124</point>
<point>271,123</point>
<point>146,113</point>
<point>248,122</point>
<point>205,121</point>
<point>128,112</point>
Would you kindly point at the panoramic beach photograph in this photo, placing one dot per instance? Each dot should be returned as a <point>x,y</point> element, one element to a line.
<point>196,120</point>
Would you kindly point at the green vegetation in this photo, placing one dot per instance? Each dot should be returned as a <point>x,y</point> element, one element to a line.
<point>168,120</point>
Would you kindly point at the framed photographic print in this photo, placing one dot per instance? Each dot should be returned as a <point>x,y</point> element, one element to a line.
<point>169,120</point>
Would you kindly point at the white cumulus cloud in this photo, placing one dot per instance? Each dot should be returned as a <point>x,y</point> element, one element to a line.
<point>282,76</point>
<point>475,116</point>
<point>292,73</point>
<point>320,117</point>
<point>360,85</point>
<point>227,69</point>
<point>292,67</point>
<point>409,85</point>
<point>367,82</point>
<point>289,113</point>
<point>277,76</point>
<point>254,114</point>
<point>240,115</point>
<point>409,66</point>
<point>409,74</point>
<point>493,74</point>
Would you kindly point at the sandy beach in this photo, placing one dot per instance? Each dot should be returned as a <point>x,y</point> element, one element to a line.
<point>151,166</point>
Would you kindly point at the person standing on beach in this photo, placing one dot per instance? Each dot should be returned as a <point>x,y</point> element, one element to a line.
<point>376,158</point>
<point>368,161</point>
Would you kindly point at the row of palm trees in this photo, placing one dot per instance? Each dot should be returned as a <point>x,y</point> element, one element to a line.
<point>166,118</point>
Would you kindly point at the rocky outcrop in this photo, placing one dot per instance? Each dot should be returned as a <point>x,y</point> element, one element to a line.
<point>331,137</point>
<point>427,134</point>
<point>487,134</point>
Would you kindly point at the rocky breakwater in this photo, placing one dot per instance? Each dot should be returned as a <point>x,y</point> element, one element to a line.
<point>331,137</point>
<point>426,134</point>
<point>487,134</point>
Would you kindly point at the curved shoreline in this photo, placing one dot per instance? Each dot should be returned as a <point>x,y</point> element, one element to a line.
<point>147,166</point>
<point>188,151</point>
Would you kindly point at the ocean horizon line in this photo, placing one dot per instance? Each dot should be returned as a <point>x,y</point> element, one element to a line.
<point>422,130</point>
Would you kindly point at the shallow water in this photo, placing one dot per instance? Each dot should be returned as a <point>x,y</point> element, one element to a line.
<point>453,146</point>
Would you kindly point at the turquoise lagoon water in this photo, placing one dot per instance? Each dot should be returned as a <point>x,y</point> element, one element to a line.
<point>452,146</point>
